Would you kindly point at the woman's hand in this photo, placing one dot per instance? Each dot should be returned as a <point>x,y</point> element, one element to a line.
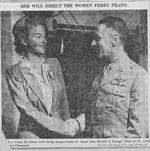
<point>75,125</point>
<point>72,127</point>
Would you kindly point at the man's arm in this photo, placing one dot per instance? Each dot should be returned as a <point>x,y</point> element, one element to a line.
<point>138,110</point>
<point>21,100</point>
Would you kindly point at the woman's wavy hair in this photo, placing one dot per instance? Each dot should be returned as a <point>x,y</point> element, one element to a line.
<point>21,30</point>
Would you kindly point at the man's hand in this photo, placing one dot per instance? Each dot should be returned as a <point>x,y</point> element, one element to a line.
<point>81,120</point>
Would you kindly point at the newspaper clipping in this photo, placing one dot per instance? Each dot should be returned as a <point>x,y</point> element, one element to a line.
<point>74,74</point>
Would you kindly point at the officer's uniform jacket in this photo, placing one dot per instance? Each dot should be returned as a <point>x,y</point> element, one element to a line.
<point>118,101</point>
<point>29,99</point>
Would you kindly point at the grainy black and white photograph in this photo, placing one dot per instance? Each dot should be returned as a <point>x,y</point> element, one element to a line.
<point>74,74</point>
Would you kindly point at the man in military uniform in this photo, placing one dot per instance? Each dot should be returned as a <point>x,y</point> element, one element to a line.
<point>118,99</point>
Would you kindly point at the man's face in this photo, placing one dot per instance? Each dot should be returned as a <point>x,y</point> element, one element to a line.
<point>37,39</point>
<point>104,41</point>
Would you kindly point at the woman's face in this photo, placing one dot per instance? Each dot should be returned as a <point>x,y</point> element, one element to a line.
<point>36,39</point>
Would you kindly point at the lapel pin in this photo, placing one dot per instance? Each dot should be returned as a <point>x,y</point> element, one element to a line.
<point>52,75</point>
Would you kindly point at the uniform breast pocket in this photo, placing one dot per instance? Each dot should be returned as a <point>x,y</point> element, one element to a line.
<point>117,97</point>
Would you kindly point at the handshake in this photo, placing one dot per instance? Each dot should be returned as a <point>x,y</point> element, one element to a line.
<point>72,126</point>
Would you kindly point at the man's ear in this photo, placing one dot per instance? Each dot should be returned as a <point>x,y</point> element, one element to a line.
<point>22,39</point>
<point>115,39</point>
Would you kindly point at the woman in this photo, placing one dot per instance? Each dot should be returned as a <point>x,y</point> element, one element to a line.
<point>36,84</point>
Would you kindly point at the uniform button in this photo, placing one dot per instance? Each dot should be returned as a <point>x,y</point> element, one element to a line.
<point>99,116</point>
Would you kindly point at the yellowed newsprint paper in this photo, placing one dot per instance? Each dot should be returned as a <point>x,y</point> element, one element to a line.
<point>74,74</point>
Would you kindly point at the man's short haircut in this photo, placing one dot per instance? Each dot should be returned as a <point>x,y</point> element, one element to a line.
<point>21,31</point>
<point>118,25</point>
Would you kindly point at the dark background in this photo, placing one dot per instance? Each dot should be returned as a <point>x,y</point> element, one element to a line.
<point>79,62</point>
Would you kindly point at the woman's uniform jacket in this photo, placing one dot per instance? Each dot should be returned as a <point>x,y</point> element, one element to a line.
<point>28,97</point>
